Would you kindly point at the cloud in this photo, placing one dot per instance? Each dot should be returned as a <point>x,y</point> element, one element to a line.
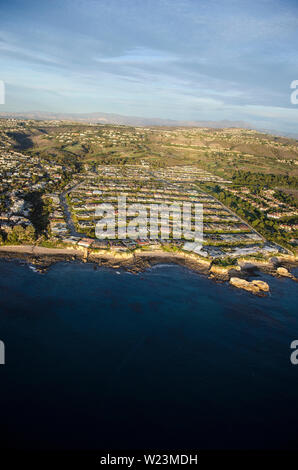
<point>139,56</point>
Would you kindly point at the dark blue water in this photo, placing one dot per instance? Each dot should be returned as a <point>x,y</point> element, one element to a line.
<point>163,359</point>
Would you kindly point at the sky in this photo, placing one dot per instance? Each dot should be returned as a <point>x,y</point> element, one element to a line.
<point>174,59</point>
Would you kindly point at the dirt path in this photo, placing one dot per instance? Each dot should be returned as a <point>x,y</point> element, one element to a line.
<point>39,250</point>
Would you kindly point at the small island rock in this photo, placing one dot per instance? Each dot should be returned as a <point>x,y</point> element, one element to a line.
<point>283,272</point>
<point>243,284</point>
<point>262,285</point>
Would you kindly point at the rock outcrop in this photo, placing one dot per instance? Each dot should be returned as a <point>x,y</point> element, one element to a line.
<point>262,285</point>
<point>284,272</point>
<point>223,273</point>
<point>255,287</point>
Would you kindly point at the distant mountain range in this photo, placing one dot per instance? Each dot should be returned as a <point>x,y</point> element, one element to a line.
<point>106,118</point>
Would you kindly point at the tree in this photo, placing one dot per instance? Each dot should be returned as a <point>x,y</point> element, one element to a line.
<point>20,234</point>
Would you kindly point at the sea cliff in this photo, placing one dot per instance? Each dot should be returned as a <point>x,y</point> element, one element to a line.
<point>139,260</point>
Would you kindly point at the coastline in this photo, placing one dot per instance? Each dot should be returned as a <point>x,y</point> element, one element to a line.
<point>138,261</point>
<point>43,257</point>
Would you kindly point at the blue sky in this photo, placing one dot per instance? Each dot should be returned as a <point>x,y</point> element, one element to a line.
<point>178,59</point>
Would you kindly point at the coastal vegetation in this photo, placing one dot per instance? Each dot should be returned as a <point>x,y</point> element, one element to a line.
<point>258,220</point>
<point>270,180</point>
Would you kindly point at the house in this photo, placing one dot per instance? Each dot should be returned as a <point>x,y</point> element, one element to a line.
<point>86,242</point>
<point>72,240</point>
<point>101,244</point>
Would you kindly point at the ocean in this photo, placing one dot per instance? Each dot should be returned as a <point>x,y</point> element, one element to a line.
<point>165,359</point>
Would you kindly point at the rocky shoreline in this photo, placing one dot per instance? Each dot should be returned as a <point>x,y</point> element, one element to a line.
<point>135,262</point>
